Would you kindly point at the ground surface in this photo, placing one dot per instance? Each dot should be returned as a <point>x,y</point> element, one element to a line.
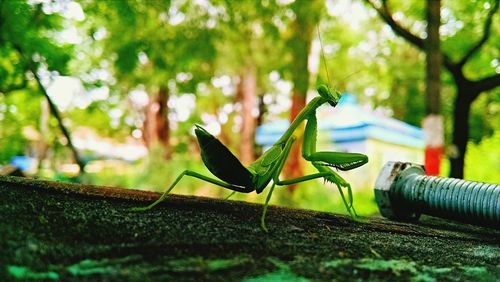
<point>51,231</point>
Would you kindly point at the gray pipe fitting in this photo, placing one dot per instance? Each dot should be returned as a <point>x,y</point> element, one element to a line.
<point>403,192</point>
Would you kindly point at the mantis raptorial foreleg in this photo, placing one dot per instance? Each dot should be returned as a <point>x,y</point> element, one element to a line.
<point>194,174</point>
<point>322,160</point>
<point>339,160</point>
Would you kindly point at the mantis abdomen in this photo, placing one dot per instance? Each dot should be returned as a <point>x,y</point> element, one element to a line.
<point>221,162</point>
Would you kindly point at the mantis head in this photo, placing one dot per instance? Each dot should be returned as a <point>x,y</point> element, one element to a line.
<point>332,97</point>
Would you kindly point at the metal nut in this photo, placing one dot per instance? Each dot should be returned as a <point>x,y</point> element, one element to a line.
<point>390,205</point>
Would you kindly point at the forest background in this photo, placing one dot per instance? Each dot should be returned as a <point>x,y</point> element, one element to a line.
<point>144,72</point>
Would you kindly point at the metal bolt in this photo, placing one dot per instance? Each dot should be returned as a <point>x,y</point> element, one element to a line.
<point>403,192</point>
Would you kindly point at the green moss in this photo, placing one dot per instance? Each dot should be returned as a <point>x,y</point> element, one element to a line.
<point>284,273</point>
<point>90,267</point>
<point>410,269</point>
<point>485,251</point>
<point>337,263</point>
<point>21,272</point>
<point>280,275</point>
<point>52,231</point>
<point>220,264</point>
<point>394,266</point>
<point>200,264</point>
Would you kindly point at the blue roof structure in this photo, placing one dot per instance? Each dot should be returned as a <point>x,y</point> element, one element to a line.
<point>349,122</point>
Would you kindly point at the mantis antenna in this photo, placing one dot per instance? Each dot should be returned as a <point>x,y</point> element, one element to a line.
<point>324,61</point>
<point>323,55</point>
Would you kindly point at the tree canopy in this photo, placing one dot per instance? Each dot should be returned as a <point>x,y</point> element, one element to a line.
<point>149,70</point>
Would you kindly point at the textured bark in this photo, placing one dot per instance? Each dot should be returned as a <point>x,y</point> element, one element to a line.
<point>246,95</point>
<point>68,232</point>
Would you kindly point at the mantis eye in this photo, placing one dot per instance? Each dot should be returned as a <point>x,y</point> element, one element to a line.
<point>337,96</point>
<point>331,98</point>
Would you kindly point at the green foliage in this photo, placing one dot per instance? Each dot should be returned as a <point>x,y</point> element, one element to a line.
<point>141,44</point>
<point>25,28</point>
<point>11,71</point>
<point>483,117</point>
<point>27,41</point>
<point>139,27</point>
<point>153,173</point>
<point>470,16</point>
<point>302,30</point>
<point>483,160</point>
<point>18,110</point>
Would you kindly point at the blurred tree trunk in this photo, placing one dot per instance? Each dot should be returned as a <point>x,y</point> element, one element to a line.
<point>162,122</point>
<point>258,149</point>
<point>433,58</point>
<point>43,146</point>
<point>307,17</point>
<point>246,95</point>
<point>460,134</point>
<point>432,124</point>
<point>467,90</point>
<point>466,94</point>
<point>156,124</point>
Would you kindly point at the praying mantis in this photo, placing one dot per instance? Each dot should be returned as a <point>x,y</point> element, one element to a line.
<point>232,175</point>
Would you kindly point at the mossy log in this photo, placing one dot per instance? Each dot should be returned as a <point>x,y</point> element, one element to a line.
<point>60,231</point>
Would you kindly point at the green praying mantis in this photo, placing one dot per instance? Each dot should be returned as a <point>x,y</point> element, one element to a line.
<point>231,174</point>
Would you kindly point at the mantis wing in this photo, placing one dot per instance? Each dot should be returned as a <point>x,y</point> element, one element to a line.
<point>221,162</point>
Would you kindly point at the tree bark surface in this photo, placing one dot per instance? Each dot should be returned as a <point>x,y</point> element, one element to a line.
<point>53,230</point>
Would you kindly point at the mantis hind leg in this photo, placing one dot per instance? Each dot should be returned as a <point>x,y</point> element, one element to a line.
<point>194,174</point>
<point>278,167</point>
<point>264,211</point>
<point>230,195</point>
